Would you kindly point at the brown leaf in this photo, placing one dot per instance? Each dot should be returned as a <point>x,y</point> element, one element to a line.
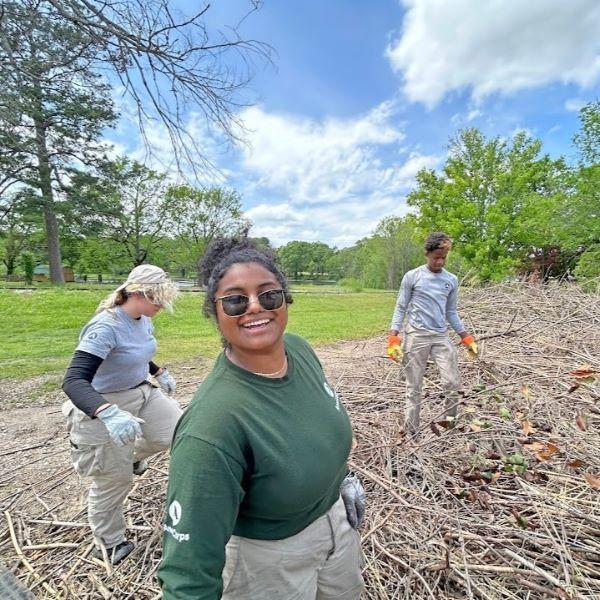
<point>492,455</point>
<point>580,420</point>
<point>534,446</point>
<point>575,463</point>
<point>547,452</point>
<point>474,476</point>
<point>474,427</point>
<point>584,371</point>
<point>525,391</point>
<point>435,429</point>
<point>573,387</point>
<point>593,480</point>
<point>527,428</point>
<point>472,496</point>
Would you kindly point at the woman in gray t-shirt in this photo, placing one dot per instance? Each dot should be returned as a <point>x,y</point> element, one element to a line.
<point>115,416</point>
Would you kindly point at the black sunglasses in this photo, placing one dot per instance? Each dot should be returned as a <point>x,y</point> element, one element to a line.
<point>236,305</point>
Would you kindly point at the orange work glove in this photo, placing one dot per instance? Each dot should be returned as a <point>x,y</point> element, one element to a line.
<point>471,344</point>
<point>394,350</point>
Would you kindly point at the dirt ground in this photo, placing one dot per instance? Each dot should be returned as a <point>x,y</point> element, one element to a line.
<point>33,438</point>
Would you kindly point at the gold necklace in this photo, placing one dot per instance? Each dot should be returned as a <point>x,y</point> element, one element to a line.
<point>274,374</point>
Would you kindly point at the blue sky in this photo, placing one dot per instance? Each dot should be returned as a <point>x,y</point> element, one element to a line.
<point>363,94</point>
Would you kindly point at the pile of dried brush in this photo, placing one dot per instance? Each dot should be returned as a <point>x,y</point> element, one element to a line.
<point>506,504</point>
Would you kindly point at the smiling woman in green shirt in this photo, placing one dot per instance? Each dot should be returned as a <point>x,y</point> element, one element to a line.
<point>259,459</point>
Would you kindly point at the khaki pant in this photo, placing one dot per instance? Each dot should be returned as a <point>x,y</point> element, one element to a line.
<point>419,345</point>
<point>322,562</point>
<point>111,467</point>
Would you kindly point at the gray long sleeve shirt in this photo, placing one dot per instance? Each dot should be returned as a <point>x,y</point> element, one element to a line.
<point>429,299</point>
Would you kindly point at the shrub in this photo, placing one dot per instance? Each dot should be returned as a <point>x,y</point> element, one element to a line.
<point>28,264</point>
<point>351,283</point>
<point>587,270</point>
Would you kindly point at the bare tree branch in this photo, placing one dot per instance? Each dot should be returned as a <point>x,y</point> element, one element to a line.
<point>172,66</point>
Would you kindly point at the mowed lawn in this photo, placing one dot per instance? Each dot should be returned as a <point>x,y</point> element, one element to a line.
<point>39,330</point>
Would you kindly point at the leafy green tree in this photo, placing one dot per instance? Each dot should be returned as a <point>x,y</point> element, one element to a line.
<point>197,216</point>
<point>28,265</point>
<point>495,198</point>
<point>298,258</point>
<point>587,139</point>
<point>17,229</point>
<point>133,210</point>
<point>320,255</point>
<point>294,258</point>
<point>399,247</point>
<point>99,256</point>
<point>581,216</point>
<point>343,263</point>
<point>53,108</point>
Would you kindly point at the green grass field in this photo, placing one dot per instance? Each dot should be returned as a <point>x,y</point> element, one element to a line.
<point>40,329</point>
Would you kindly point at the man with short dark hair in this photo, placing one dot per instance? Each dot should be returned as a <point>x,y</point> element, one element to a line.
<point>428,297</point>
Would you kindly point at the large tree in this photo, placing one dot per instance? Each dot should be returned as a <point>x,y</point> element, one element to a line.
<point>495,198</point>
<point>587,139</point>
<point>131,206</point>
<point>179,73</point>
<point>17,225</point>
<point>197,216</point>
<point>53,107</point>
<point>395,238</point>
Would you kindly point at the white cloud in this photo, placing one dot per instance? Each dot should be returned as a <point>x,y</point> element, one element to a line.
<point>337,225</point>
<point>495,46</point>
<point>575,104</point>
<point>473,114</point>
<point>274,213</point>
<point>526,130</point>
<point>319,161</point>
<point>337,178</point>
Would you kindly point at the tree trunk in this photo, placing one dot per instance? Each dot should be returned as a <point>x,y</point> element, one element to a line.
<point>45,184</point>
<point>53,244</point>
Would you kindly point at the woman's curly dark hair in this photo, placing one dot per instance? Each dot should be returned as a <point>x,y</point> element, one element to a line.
<point>437,241</point>
<point>226,251</point>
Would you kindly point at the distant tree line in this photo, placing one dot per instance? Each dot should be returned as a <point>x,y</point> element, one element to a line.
<point>510,209</point>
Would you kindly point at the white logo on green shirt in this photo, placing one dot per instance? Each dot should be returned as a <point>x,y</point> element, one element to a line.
<point>332,394</point>
<point>175,512</point>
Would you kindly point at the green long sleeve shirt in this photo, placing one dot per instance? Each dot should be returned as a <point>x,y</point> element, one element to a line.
<point>255,457</point>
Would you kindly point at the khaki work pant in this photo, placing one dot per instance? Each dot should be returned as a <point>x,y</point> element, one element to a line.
<point>322,562</point>
<point>111,467</point>
<point>419,345</point>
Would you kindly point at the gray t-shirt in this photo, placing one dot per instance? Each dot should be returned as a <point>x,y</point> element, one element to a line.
<point>429,299</point>
<point>126,345</point>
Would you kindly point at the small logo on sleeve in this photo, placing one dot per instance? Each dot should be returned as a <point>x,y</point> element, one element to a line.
<point>332,394</point>
<point>175,516</point>
<point>92,336</point>
<point>175,512</point>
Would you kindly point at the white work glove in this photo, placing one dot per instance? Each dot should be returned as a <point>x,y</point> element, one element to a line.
<point>122,426</point>
<point>354,498</point>
<point>166,381</point>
